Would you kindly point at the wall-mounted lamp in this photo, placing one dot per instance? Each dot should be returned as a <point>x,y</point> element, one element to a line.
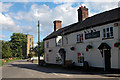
<point>94,29</point>
<point>91,31</point>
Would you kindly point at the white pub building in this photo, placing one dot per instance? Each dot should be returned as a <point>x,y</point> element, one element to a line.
<point>95,40</point>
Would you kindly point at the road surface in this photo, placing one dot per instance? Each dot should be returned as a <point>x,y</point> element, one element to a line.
<point>24,69</point>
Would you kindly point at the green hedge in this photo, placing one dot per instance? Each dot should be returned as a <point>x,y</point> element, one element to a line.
<point>1,63</point>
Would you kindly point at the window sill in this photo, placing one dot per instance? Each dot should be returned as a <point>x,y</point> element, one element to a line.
<point>57,45</point>
<point>79,42</point>
<point>107,38</point>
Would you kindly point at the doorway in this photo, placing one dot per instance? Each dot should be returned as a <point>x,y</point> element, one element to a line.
<point>62,53</point>
<point>107,60</point>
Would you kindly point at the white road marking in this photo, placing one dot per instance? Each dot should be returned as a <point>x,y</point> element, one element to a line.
<point>62,74</point>
<point>66,74</point>
<point>55,73</point>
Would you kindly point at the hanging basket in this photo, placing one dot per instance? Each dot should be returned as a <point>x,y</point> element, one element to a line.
<point>86,49</point>
<point>72,48</point>
<point>117,44</point>
<point>50,50</point>
<point>89,46</point>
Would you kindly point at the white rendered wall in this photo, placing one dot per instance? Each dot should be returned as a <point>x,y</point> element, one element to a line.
<point>93,56</point>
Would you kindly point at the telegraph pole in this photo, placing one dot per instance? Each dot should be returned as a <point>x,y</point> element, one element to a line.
<point>38,42</point>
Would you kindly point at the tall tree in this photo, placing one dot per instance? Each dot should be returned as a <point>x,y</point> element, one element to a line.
<point>6,50</point>
<point>17,41</point>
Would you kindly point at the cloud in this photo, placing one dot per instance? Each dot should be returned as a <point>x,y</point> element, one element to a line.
<point>4,7</point>
<point>100,0</point>
<point>6,20</point>
<point>8,23</point>
<point>19,15</point>
<point>17,0</point>
<point>65,1</point>
<point>3,36</point>
<point>64,12</point>
<point>59,1</point>
<point>98,7</point>
<point>28,29</point>
<point>119,4</point>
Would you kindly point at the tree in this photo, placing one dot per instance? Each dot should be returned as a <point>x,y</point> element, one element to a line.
<point>6,50</point>
<point>17,41</point>
<point>41,49</point>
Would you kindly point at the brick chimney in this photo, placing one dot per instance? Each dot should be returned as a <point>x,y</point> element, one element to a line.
<point>57,24</point>
<point>82,13</point>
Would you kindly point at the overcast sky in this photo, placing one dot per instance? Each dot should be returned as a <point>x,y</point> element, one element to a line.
<point>22,16</point>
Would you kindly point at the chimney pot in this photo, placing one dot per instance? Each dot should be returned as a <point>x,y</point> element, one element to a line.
<point>82,13</point>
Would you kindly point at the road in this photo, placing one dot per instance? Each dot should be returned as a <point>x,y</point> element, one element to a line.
<point>24,69</point>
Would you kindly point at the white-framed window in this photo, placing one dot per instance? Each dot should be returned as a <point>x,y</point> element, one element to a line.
<point>47,44</point>
<point>108,32</point>
<point>80,37</point>
<point>80,57</point>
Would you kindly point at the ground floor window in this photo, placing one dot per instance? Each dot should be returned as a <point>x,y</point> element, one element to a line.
<point>80,57</point>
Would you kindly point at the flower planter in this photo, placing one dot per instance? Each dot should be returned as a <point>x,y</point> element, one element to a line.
<point>89,47</point>
<point>72,48</point>
<point>50,50</point>
<point>117,44</point>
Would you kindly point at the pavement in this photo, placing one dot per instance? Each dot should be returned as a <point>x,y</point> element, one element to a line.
<point>24,69</point>
<point>0,72</point>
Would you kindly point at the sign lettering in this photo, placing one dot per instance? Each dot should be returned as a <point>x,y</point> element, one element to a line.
<point>92,35</point>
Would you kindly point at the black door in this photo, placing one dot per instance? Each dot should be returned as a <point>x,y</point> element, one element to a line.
<point>107,57</point>
<point>63,58</point>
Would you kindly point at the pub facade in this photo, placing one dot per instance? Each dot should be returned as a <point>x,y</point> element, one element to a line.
<point>95,40</point>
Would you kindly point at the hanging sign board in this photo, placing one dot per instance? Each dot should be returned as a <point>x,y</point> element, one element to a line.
<point>92,35</point>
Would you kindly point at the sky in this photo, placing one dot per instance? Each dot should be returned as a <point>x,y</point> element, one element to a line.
<point>22,16</point>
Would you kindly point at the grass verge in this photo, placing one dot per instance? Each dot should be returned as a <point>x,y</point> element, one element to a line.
<point>8,60</point>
